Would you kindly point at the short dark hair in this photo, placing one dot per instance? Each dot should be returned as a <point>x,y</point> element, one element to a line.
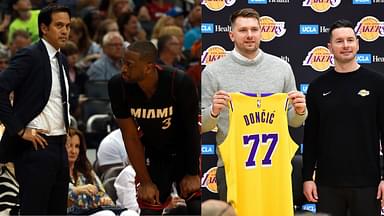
<point>122,20</point>
<point>20,33</point>
<point>45,15</point>
<point>146,49</point>
<point>245,12</point>
<point>341,23</point>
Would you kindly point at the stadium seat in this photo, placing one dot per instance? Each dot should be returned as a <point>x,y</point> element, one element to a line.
<point>95,106</point>
<point>100,123</point>
<point>97,89</point>
<point>110,188</point>
<point>73,122</point>
<point>97,127</point>
<point>111,172</point>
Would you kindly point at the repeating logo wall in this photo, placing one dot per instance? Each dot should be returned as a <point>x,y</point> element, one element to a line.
<point>319,58</point>
<point>308,29</point>
<point>364,58</point>
<point>207,28</point>
<point>321,6</point>
<point>207,149</point>
<point>271,28</point>
<point>360,2</point>
<point>369,28</point>
<point>257,1</point>
<point>212,54</point>
<point>217,5</point>
<point>209,180</point>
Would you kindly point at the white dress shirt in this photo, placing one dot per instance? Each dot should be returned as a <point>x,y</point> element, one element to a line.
<point>51,118</point>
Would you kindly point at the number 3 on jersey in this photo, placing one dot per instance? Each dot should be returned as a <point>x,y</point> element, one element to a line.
<point>254,141</point>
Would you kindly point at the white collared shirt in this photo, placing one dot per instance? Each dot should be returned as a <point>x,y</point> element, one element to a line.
<point>243,58</point>
<point>51,118</point>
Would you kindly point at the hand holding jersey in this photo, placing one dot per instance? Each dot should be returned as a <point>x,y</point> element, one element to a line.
<point>298,101</point>
<point>219,102</point>
<point>221,98</point>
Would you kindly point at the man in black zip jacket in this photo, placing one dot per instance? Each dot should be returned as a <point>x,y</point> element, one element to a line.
<point>342,132</point>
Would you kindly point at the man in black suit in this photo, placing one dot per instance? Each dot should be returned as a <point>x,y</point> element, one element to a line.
<point>37,122</point>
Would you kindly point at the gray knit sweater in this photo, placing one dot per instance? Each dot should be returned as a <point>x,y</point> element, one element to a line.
<point>265,74</point>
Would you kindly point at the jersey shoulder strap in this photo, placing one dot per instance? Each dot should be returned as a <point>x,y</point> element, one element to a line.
<point>177,79</point>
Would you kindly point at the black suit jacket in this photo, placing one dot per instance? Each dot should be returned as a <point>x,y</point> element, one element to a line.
<point>29,75</point>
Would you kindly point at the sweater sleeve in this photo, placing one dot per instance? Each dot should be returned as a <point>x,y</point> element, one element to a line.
<point>310,136</point>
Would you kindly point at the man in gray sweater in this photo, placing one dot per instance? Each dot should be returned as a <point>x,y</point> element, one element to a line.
<point>245,69</point>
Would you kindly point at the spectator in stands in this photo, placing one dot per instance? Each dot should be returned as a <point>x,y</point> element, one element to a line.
<point>9,188</point>
<point>92,19</point>
<point>194,33</point>
<point>178,14</point>
<point>169,51</point>
<point>5,18</point>
<point>169,149</point>
<point>109,63</point>
<point>173,30</point>
<point>160,24</point>
<point>107,25</point>
<point>77,79</point>
<point>158,8</point>
<point>194,67</point>
<point>20,39</point>
<point>213,207</point>
<point>129,28</point>
<point>111,151</point>
<point>26,20</point>
<point>86,191</point>
<point>118,7</point>
<point>89,51</point>
<point>4,59</point>
<point>178,32</point>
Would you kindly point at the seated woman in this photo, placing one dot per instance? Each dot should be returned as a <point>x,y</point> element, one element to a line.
<point>86,193</point>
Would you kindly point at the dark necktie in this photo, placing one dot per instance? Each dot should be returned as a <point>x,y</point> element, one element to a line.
<point>63,91</point>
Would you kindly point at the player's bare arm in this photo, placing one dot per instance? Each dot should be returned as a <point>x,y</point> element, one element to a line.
<point>148,190</point>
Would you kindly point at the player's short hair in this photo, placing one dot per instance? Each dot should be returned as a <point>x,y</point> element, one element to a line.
<point>245,12</point>
<point>45,15</point>
<point>146,49</point>
<point>341,23</point>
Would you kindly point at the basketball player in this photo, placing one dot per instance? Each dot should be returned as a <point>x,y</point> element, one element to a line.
<point>342,132</point>
<point>245,69</point>
<point>163,103</point>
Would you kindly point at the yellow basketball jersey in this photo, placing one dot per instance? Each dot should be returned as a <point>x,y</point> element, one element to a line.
<point>257,155</point>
